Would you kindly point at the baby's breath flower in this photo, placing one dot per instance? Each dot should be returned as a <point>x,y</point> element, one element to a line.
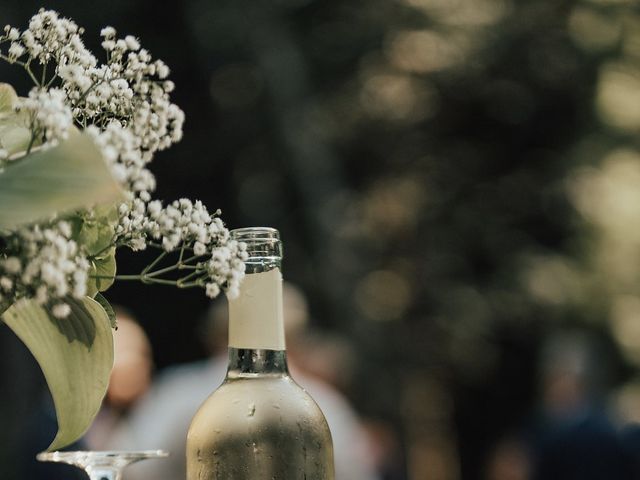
<point>108,32</point>
<point>51,115</point>
<point>15,51</point>
<point>212,290</point>
<point>13,34</point>
<point>6,284</point>
<point>132,43</point>
<point>61,310</point>
<point>124,105</point>
<point>44,263</point>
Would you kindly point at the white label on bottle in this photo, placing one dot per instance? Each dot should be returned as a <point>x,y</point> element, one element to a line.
<point>255,316</point>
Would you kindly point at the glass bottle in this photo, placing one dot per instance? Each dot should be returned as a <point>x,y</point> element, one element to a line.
<point>259,424</point>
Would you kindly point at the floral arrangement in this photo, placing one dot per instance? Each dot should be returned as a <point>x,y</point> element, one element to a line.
<point>74,187</point>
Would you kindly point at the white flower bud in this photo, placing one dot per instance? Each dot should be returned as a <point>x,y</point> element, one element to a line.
<point>132,43</point>
<point>61,310</point>
<point>199,248</point>
<point>108,32</point>
<point>212,290</point>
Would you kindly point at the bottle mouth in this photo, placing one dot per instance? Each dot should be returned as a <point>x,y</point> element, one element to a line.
<point>255,234</point>
<point>264,248</point>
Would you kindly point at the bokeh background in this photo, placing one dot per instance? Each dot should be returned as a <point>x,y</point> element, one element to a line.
<point>457,183</point>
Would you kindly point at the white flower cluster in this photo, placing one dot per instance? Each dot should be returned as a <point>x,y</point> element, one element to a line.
<point>126,99</point>
<point>50,115</point>
<point>44,263</point>
<point>121,148</point>
<point>48,37</point>
<point>124,106</point>
<point>188,224</point>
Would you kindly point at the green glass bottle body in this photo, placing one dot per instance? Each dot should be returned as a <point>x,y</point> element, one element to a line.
<point>259,424</point>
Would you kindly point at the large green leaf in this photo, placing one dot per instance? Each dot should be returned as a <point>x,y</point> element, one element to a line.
<point>3,307</point>
<point>71,176</point>
<point>75,355</point>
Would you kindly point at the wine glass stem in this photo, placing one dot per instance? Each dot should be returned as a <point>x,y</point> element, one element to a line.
<point>104,473</point>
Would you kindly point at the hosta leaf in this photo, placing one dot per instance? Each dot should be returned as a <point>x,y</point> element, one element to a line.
<point>3,307</point>
<point>105,266</point>
<point>71,176</point>
<point>75,355</point>
<point>108,309</point>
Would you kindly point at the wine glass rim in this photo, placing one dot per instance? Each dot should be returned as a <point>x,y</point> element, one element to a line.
<point>127,454</point>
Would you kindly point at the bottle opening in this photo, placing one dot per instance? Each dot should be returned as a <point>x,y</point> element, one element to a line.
<point>264,247</point>
<point>255,234</point>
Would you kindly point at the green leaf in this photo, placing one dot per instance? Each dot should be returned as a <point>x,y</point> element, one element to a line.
<point>96,230</point>
<point>105,266</point>
<point>8,98</point>
<point>15,134</point>
<point>71,176</point>
<point>107,308</point>
<point>75,355</point>
<point>3,307</point>
<point>15,131</point>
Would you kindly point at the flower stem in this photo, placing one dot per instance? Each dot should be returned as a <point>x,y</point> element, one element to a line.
<point>112,244</point>
<point>9,60</point>
<point>184,280</point>
<point>142,278</point>
<point>27,67</point>
<point>154,263</point>
<point>177,266</point>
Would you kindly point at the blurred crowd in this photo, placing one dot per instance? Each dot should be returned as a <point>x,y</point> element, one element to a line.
<point>578,427</point>
<point>143,412</point>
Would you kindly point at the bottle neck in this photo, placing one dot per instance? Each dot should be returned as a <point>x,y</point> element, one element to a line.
<point>255,316</point>
<point>248,362</point>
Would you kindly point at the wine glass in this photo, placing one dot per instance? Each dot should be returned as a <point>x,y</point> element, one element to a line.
<point>99,465</point>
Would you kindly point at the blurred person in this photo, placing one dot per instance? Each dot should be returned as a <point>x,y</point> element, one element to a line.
<point>325,356</point>
<point>129,381</point>
<point>509,460</point>
<point>626,402</point>
<point>573,437</point>
<point>330,358</point>
<point>130,378</point>
<point>386,449</point>
<point>162,418</point>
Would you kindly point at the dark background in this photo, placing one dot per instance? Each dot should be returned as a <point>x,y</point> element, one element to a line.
<point>455,181</point>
